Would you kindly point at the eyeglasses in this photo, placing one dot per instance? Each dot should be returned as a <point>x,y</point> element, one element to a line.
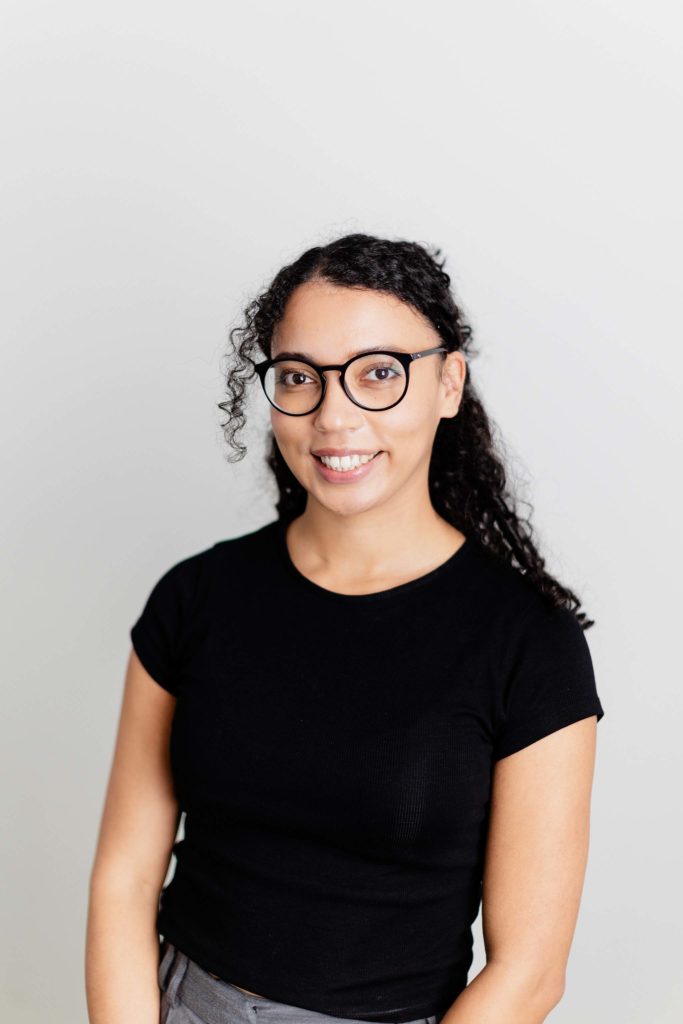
<point>372,380</point>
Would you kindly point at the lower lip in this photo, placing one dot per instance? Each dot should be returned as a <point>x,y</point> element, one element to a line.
<point>337,476</point>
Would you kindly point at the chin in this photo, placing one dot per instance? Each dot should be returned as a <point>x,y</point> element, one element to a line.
<point>349,504</point>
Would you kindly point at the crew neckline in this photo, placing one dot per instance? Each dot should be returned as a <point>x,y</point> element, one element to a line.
<point>456,559</point>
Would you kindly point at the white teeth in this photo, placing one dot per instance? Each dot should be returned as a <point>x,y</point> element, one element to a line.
<point>346,462</point>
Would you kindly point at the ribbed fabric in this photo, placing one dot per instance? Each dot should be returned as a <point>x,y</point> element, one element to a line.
<point>333,756</point>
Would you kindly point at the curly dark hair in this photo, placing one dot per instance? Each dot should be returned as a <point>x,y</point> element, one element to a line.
<point>468,475</point>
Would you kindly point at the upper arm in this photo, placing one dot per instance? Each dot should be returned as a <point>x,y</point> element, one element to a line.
<point>141,814</point>
<point>537,851</point>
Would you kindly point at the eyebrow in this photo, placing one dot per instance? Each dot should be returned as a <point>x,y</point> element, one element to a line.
<point>359,352</point>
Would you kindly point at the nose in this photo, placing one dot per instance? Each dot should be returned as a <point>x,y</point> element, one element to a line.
<point>337,410</point>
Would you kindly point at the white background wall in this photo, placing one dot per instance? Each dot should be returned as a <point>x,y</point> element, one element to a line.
<point>160,162</point>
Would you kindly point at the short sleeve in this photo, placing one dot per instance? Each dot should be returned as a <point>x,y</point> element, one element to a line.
<point>158,633</point>
<point>550,680</point>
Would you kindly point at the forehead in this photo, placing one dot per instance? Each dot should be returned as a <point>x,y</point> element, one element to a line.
<point>327,322</point>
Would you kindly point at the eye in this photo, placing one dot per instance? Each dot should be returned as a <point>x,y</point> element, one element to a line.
<point>381,370</point>
<point>385,372</point>
<point>299,376</point>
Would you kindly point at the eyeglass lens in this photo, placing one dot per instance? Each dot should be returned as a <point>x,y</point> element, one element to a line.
<point>375,382</point>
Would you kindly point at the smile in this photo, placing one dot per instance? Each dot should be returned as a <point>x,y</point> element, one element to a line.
<point>346,469</point>
<point>345,463</point>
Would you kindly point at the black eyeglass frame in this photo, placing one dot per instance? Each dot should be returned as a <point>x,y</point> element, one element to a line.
<point>405,358</point>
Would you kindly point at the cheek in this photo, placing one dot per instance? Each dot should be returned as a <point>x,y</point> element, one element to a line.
<point>409,429</point>
<point>288,430</point>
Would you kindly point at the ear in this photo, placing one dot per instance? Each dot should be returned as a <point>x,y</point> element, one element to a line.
<point>453,376</point>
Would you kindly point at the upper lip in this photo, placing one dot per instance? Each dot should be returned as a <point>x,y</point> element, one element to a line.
<point>344,451</point>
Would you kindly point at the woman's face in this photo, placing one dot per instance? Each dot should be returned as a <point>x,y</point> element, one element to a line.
<point>330,324</point>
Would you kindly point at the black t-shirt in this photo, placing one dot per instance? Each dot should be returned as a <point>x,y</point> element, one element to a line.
<point>333,756</point>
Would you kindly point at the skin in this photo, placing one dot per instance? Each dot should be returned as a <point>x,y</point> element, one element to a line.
<point>351,539</point>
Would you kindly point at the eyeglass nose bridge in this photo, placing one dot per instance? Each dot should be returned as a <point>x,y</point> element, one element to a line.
<point>322,373</point>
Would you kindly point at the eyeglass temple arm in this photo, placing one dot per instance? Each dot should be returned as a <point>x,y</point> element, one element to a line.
<point>429,352</point>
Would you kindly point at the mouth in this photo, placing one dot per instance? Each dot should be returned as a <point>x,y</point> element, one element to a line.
<point>345,463</point>
<point>347,468</point>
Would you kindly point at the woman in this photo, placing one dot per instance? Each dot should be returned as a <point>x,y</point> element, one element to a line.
<point>377,712</point>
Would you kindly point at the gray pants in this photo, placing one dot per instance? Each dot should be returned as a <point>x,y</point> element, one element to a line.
<point>190,995</point>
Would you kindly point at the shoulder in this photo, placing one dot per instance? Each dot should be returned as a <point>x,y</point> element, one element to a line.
<point>247,547</point>
<point>180,581</point>
<point>179,600</point>
<point>539,663</point>
<point>243,548</point>
<point>519,619</point>
<point>505,593</point>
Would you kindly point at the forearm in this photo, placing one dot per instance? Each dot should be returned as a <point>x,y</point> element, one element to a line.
<point>122,954</point>
<point>504,994</point>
